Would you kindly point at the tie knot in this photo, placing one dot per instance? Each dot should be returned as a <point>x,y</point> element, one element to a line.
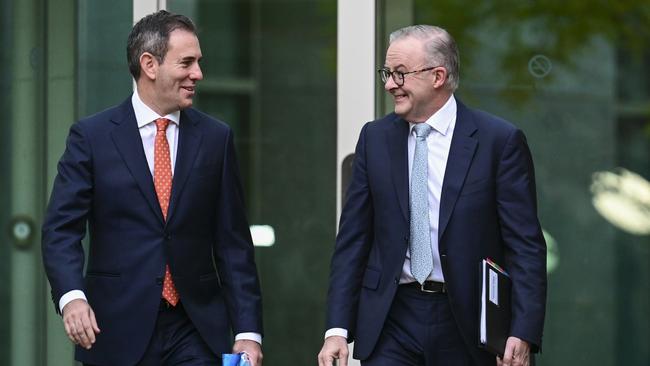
<point>422,130</point>
<point>162,123</point>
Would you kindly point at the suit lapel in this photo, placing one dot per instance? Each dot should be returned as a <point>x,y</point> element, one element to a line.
<point>128,142</point>
<point>461,153</point>
<point>397,140</point>
<point>188,146</point>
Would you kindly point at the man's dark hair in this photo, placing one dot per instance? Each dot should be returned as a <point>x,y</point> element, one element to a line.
<point>151,34</point>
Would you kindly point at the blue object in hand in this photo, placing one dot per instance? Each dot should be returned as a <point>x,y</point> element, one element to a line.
<point>235,359</point>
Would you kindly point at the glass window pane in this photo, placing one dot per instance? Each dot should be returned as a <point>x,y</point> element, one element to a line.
<point>6,34</point>
<point>575,79</point>
<point>270,72</point>
<point>22,100</point>
<point>103,77</point>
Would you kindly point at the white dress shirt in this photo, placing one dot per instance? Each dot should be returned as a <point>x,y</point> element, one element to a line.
<point>146,119</point>
<point>438,143</point>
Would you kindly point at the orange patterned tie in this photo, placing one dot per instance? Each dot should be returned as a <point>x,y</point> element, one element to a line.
<point>162,180</point>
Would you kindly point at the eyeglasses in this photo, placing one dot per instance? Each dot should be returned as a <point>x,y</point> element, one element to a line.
<point>398,76</point>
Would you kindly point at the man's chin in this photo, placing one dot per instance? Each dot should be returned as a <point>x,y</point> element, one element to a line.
<point>400,111</point>
<point>185,105</point>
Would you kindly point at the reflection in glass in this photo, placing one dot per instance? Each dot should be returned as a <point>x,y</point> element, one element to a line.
<point>623,198</point>
<point>552,253</point>
<point>262,235</point>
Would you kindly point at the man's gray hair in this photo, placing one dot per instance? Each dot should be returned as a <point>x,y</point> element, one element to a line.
<point>439,46</point>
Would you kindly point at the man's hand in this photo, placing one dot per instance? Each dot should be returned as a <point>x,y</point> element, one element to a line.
<point>251,348</point>
<point>517,353</point>
<point>80,323</point>
<point>334,347</point>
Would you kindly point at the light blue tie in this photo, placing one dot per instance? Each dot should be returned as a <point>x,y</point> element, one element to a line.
<point>420,239</point>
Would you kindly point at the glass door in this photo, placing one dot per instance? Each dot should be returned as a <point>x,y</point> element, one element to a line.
<point>43,42</point>
<point>21,195</point>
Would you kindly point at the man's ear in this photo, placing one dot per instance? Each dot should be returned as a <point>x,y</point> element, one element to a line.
<point>440,77</point>
<point>148,65</point>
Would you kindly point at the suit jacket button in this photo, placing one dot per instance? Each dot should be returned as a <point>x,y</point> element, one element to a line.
<point>168,237</point>
<point>396,281</point>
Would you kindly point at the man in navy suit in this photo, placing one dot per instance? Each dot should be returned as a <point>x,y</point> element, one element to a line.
<point>171,272</point>
<point>436,187</point>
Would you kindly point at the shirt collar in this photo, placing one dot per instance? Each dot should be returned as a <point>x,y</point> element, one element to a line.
<point>145,115</point>
<point>441,120</point>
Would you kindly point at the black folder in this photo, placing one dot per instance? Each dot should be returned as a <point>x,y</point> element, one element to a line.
<point>495,309</point>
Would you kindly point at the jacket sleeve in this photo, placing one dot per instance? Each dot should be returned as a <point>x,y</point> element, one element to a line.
<point>352,246</point>
<point>524,245</point>
<point>64,225</point>
<point>234,252</point>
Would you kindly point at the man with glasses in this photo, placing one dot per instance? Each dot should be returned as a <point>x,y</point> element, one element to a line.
<point>436,187</point>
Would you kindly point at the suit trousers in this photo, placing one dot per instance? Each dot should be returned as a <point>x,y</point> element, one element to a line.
<point>420,331</point>
<point>175,341</point>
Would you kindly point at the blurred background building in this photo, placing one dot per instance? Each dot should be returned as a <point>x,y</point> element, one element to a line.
<point>296,79</point>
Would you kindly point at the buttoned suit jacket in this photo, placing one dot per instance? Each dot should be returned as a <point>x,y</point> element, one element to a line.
<point>488,209</point>
<point>104,185</point>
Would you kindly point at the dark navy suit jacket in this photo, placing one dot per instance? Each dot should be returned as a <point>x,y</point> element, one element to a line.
<point>104,184</point>
<point>488,209</point>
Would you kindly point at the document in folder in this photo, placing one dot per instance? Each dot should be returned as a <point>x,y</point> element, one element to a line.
<point>495,307</point>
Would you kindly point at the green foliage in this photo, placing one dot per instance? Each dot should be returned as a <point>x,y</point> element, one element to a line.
<point>560,30</point>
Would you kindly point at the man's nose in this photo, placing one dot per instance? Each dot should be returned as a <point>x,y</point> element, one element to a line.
<point>390,84</point>
<point>196,73</point>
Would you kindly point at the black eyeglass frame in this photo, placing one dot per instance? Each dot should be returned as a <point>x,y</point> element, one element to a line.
<point>401,76</point>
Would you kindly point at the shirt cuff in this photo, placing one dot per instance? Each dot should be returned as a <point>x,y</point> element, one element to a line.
<point>337,332</point>
<point>69,296</point>
<point>250,336</point>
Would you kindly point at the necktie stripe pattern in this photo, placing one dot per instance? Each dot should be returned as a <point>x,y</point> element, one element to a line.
<point>420,237</point>
<point>162,179</point>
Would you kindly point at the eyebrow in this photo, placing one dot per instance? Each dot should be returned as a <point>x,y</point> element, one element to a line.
<point>190,58</point>
<point>396,67</point>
